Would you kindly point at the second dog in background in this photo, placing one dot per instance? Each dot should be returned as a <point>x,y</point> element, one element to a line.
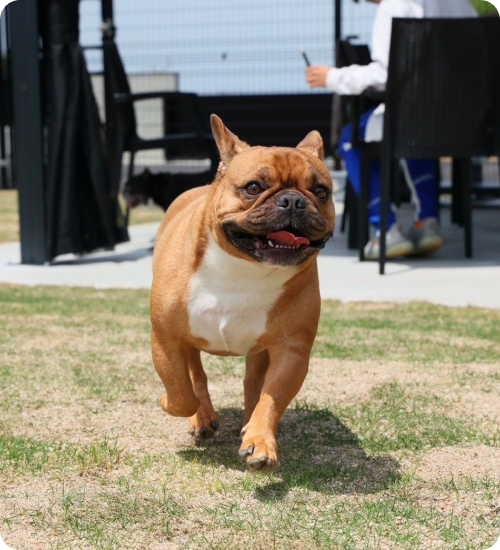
<point>163,188</point>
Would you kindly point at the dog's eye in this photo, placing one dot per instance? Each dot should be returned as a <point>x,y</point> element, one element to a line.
<point>253,188</point>
<point>321,192</point>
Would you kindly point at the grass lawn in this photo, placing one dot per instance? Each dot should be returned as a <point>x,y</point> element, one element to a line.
<point>393,442</point>
<point>9,218</point>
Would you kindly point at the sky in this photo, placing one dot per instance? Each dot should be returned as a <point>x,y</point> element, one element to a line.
<point>226,46</point>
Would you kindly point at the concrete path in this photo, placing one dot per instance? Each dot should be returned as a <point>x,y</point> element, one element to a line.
<point>445,278</point>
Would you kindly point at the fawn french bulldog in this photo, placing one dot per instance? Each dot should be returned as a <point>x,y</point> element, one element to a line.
<point>235,273</point>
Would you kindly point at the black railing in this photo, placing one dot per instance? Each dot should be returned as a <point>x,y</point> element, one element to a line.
<point>6,152</point>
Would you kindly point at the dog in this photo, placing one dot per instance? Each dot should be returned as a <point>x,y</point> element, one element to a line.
<point>162,188</point>
<point>235,274</point>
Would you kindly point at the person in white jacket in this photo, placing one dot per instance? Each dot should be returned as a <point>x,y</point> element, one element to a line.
<point>424,236</point>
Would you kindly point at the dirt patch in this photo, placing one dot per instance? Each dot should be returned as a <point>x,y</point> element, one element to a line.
<point>330,382</point>
<point>480,405</point>
<point>369,306</point>
<point>452,463</point>
<point>133,418</point>
<point>41,518</point>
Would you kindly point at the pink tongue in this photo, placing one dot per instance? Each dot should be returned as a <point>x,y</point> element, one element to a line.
<point>287,239</point>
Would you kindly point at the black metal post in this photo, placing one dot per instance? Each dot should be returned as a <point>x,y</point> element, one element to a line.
<point>337,35</point>
<point>4,184</point>
<point>338,22</point>
<point>108,33</point>
<point>107,10</point>
<point>24,40</point>
<point>466,176</point>
<point>4,100</point>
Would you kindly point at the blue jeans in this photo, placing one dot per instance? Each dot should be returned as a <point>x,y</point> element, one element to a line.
<point>420,176</point>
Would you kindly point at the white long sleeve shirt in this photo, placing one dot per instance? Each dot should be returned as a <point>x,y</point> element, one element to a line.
<point>356,79</point>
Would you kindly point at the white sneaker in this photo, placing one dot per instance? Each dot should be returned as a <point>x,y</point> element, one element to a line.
<point>397,244</point>
<point>426,237</point>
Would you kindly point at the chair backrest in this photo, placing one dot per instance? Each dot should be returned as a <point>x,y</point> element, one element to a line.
<point>117,83</point>
<point>348,53</point>
<point>443,88</point>
<point>270,120</point>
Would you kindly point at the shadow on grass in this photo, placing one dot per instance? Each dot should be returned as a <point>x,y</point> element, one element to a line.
<point>317,452</point>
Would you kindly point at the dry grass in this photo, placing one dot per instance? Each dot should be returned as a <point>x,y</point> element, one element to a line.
<point>148,213</point>
<point>9,217</point>
<point>392,443</point>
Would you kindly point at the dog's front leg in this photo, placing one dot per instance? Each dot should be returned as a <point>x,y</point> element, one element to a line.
<point>256,369</point>
<point>287,370</point>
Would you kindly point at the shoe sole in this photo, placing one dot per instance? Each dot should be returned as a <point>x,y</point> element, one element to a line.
<point>394,251</point>
<point>428,245</point>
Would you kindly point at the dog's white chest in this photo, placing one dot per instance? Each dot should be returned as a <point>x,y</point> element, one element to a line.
<point>230,300</point>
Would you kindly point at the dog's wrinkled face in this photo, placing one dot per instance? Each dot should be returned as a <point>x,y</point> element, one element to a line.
<point>272,205</point>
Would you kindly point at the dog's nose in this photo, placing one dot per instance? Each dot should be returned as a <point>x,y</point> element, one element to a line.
<point>291,201</point>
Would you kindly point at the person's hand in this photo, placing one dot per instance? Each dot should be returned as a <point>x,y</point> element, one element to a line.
<point>316,76</point>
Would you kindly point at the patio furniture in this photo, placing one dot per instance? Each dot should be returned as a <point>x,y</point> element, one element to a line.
<point>348,53</point>
<point>442,99</point>
<point>272,119</point>
<point>195,134</point>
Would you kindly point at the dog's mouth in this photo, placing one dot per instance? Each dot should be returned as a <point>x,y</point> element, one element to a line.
<point>133,202</point>
<point>285,240</point>
<point>286,246</point>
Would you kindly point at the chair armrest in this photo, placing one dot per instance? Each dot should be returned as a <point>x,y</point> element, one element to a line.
<point>121,99</point>
<point>377,95</point>
<point>357,109</point>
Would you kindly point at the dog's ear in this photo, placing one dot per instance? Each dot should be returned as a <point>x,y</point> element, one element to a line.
<point>313,143</point>
<point>228,144</point>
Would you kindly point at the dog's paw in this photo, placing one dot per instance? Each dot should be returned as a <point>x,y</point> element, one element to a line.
<point>260,453</point>
<point>203,424</point>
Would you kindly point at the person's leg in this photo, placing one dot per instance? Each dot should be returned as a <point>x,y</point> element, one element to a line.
<point>397,244</point>
<point>422,179</point>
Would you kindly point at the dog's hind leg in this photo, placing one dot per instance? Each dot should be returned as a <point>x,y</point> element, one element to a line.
<point>256,368</point>
<point>205,422</point>
<point>171,364</point>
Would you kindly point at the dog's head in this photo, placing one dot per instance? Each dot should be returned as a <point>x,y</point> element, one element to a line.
<point>272,205</point>
<point>137,190</point>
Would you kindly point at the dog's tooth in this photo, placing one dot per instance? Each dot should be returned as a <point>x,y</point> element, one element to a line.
<point>270,243</point>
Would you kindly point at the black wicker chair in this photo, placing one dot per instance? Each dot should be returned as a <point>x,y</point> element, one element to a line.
<point>184,137</point>
<point>442,99</point>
